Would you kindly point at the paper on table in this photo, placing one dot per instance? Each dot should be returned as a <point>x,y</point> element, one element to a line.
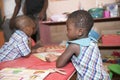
<point>23,74</point>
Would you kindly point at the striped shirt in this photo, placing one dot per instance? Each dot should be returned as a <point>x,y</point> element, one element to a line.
<point>16,47</point>
<point>89,63</point>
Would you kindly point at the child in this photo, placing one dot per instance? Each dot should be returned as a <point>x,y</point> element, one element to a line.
<point>81,49</point>
<point>20,42</point>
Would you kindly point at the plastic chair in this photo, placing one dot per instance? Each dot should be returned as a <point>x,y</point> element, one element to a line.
<point>114,68</point>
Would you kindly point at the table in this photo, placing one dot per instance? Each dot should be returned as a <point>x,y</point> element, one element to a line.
<point>32,62</point>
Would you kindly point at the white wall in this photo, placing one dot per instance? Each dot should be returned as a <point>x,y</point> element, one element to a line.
<point>61,6</point>
<point>87,4</point>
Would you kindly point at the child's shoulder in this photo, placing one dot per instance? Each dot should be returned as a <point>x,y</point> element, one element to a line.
<point>19,35</point>
<point>83,41</point>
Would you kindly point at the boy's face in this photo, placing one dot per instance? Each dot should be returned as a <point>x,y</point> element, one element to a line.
<point>72,31</point>
<point>29,30</point>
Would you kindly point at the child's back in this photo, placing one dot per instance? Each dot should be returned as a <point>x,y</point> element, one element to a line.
<point>16,47</point>
<point>19,44</point>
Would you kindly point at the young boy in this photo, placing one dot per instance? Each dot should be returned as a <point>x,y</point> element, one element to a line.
<point>20,42</point>
<point>81,49</point>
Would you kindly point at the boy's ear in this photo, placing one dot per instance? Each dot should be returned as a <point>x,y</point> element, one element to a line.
<point>80,32</point>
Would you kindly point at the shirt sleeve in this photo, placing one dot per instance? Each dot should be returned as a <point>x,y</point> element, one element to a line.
<point>23,47</point>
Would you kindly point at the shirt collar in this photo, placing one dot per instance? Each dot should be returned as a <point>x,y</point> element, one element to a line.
<point>82,42</point>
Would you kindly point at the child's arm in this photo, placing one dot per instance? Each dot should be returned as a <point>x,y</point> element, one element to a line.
<point>38,47</point>
<point>51,57</point>
<point>24,46</point>
<point>71,50</point>
<point>30,43</point>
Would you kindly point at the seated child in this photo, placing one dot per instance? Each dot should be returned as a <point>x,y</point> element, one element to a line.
<point>81,49</point>
<point>19,44</point>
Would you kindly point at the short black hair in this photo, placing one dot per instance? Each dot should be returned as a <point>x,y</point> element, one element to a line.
<point>23,21</point>
<point>82,19</point>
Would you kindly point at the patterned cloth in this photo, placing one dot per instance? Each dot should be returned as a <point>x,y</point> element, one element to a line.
<point>89,63</point>
<point>16,47</point>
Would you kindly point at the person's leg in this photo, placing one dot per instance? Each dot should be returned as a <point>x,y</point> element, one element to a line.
<point>36,36</point>
<point>37,31</point>
<point>38,26</point>
<point>7,31</point>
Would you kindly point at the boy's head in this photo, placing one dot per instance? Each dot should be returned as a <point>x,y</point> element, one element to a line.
<point>79,23</point>
<point>26,24</point>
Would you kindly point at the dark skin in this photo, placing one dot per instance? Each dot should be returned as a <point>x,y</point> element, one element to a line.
<point>71,50</point>
<point>42,12</point>
<point>29,30</point>
<point>16,10</point>
<point>73,33</point>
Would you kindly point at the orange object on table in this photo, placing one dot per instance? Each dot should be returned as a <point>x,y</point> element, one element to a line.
<point>33,42</point>
<point>1,38</point>
<point>32,62</point>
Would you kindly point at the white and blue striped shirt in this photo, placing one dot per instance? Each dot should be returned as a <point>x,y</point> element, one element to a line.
<point>89,63</point>
<point>16,47</point>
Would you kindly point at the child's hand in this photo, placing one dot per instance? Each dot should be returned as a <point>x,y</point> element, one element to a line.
<point>51,57</point>
<point>30,42</point>
<point>37,45</point>
<point>41,49</point>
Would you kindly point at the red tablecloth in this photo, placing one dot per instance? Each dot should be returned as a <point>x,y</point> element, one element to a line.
<point>33,62</point>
